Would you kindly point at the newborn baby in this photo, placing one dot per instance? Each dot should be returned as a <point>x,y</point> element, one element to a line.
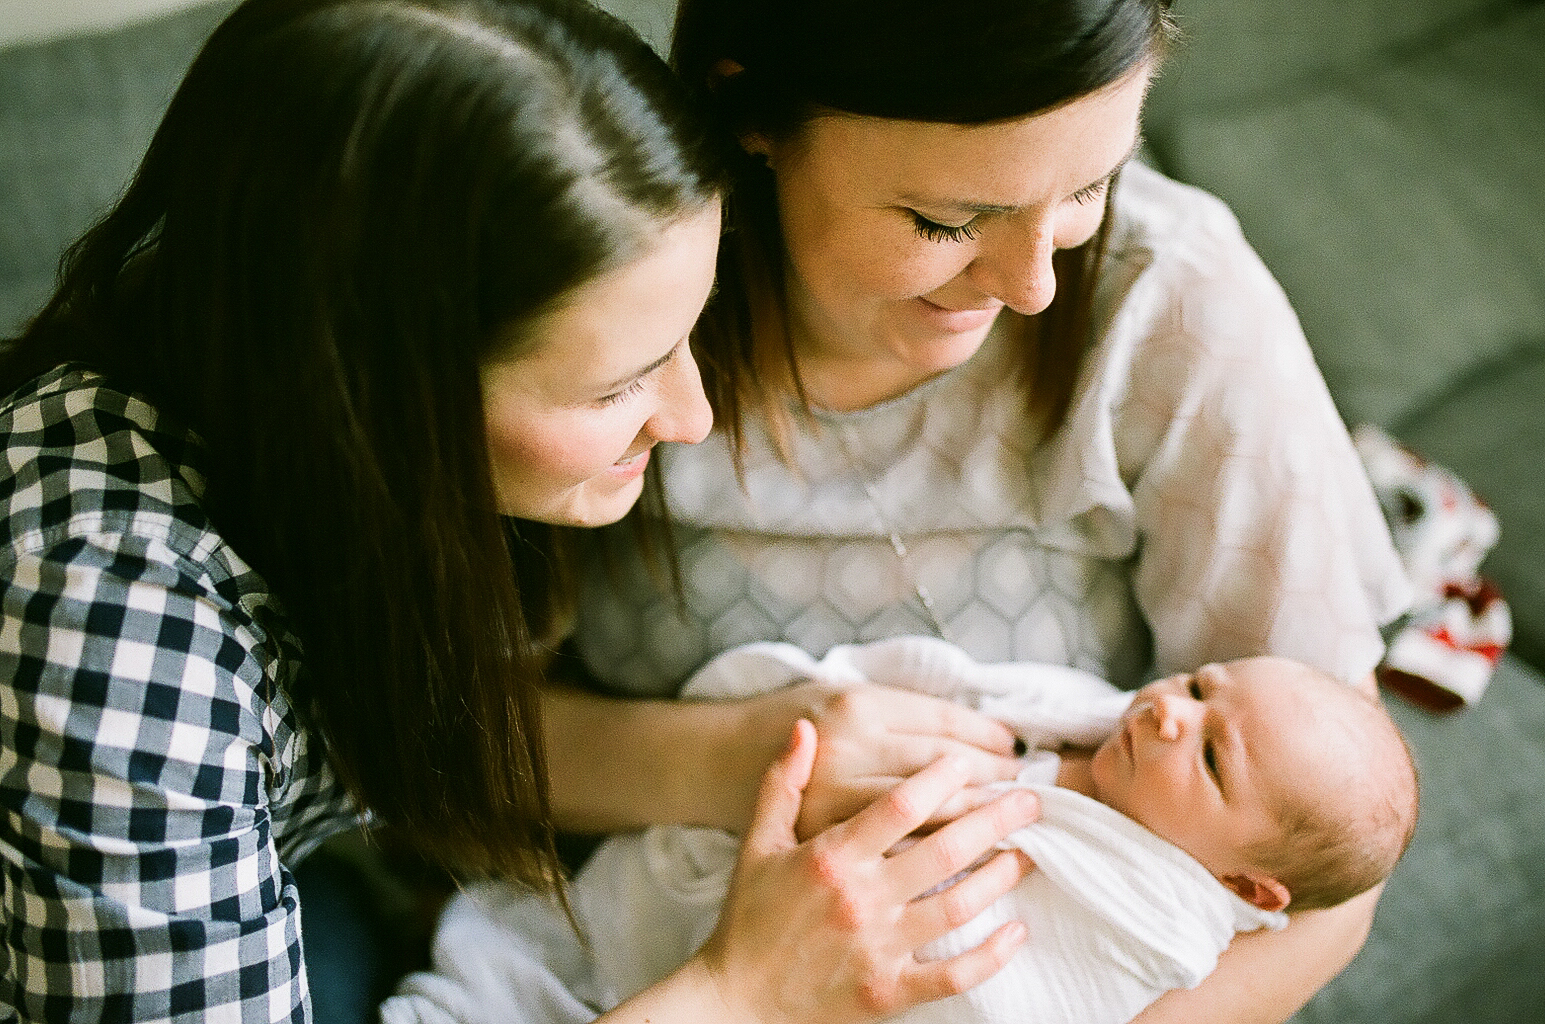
<point>1211,803</point>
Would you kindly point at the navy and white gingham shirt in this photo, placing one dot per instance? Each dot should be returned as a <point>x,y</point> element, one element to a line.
<point>154,779</point>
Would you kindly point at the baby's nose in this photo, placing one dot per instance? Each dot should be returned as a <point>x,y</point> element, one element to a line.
<point>1169,714</point>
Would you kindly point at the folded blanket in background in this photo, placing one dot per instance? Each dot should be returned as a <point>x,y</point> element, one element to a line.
<point>1442,657</point>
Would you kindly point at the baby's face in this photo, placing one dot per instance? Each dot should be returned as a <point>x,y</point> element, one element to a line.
<point>1199,757</point>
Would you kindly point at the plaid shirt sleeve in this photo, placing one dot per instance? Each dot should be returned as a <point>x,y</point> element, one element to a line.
<point>152,778</point>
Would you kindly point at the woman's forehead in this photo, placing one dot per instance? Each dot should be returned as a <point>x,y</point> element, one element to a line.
<point>1007,164</point>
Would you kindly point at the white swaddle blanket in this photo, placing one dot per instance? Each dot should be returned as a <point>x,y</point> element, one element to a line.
<point>1117,916</point>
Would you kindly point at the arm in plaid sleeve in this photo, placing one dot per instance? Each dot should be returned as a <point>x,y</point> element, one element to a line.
<point>141,873</point>
<point>152,775</point>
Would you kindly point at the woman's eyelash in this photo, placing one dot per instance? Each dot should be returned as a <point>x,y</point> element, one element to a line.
<point>1085,196</point>
<point>935,232</point>
<point>625,394</point>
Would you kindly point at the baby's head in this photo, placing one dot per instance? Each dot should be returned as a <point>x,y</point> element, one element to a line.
<point>1286,784</point>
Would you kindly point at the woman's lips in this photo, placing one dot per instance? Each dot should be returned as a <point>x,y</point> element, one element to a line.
<point>959,321</point>
<point>630,466</point>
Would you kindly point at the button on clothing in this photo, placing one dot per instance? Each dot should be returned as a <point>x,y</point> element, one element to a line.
<point>154,777</point>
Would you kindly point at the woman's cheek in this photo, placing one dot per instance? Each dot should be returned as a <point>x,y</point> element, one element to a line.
<point>1080,226</point>
<point>919,266</point>
<point>545,446</point>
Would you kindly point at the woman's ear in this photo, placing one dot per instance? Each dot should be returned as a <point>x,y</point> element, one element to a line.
<point>723,69</point>
<point>1258,890</point>
<point>757,144</point>
<point>753,143</point>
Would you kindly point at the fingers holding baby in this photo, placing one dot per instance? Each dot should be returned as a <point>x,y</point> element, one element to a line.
<point>848,889</point>
<point>871,737</point>
<point>879,716</point>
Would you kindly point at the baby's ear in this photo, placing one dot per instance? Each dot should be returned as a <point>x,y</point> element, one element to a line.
<point>1257,889</point>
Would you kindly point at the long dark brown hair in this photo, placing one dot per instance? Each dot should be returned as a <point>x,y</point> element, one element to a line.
<point>349,208</point>
<point>966,62</point>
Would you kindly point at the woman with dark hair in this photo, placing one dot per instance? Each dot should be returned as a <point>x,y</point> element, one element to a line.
<point>979,375</point>
<point>400,293</point>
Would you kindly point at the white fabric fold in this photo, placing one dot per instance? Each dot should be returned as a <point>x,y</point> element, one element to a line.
<point>1117,917</point>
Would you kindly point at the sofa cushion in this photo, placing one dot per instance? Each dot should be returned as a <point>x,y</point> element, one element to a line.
<point>76,114</point>
<point>652,19</point>
<point>1400,207</point>
<point>1490,429</point>
<point>1458,930</point>
<point>1235,51</point>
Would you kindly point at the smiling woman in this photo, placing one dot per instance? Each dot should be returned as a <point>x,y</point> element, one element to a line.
<point>976,374</point>
<point>599,381</point>
<point>905,239</point>
<point>402,290</point>
<point>248,474</point>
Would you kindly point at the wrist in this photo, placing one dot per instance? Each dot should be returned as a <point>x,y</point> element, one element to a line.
<point>715,991</point>
<point>695,993</point>
<point>752,733</point>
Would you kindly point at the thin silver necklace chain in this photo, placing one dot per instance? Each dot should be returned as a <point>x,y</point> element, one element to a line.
<point>899,546</point>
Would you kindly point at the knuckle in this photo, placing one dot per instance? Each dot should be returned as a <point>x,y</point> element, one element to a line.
<point>905,805</point>
<point>848,909</point>
<point>878,993</point>
<point>844,704</point>
<point>1002,873</point>
<point>826,866</point>
<point>953,717</point>
<point>956,906</point>
<point>949,851</point>
<point>956,977</point>
<point>1011,811</point>
<point>849,913</point>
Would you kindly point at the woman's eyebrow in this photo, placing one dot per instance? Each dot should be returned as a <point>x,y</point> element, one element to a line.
<point>964,206</point>
<point>1137,144</point>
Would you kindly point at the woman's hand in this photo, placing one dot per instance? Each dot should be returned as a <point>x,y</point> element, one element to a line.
<point>826,930</point>
<point>620,764</point>
<point>872,737</point>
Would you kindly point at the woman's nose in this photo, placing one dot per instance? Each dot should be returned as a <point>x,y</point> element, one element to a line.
<point>1015,267</point>
<point>684,413</point>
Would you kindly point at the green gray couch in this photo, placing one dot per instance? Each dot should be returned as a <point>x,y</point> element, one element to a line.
<point>1387,158</point>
